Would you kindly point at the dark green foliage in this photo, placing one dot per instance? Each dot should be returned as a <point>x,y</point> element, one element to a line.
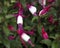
<point>31,22</point>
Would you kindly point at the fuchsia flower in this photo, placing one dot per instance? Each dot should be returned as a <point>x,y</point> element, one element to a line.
<point>25,37</point>
<point>44,33</point>
<point>50,19</point>
<point>32,9</point>
<point>10,27</point>
<point>50,1</point>
<point>44,10</point>
<point>20,30</point>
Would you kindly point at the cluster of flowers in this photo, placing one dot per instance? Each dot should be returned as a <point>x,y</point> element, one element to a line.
<point>24,37</point>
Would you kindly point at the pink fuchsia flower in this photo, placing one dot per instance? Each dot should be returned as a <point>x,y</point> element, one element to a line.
<point>10,27</point>
<point>44,33</point>
<point>11,37</point>
<point>50,19</point>
<point>32,9</point>
<point>50,1</point>
<point>44,10</point>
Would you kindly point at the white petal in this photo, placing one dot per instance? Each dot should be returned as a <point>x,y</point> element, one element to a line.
<point>25,37</point>
<point>19,20</point>
<point>32,9</point>
<point>44,2</point>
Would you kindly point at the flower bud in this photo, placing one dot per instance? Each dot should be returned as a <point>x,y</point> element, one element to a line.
<point>44,34</point>
<point>44,10</point>
<point>10,27</point>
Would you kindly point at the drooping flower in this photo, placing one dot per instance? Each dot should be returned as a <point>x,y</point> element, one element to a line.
<point>44,10</point>
<point>44,33</point>
<point>20,30</point>
<point>25,37</point>
<point>32,9</point>
<point>11,28</point>
<point>50,19</point>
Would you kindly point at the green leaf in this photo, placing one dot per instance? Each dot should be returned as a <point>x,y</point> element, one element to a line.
<point>38,46</point>
<point>51,28</point>
<point>23,2</point>
<point>47,42</point>
<point>39,28</point>
<point>5,8</point>
<point>6,43</point>
<point>27,27</point>
<point>1,18</point>
<point>6,31</point>
<point>12,1</point>
<point>55,44</point>
<point>9,16</point>
<point>34,18</point>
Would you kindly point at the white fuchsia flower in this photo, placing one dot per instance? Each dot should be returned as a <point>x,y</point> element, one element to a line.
<point>25,37</point>
<point>32,9</point>
<point>20,20</point>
